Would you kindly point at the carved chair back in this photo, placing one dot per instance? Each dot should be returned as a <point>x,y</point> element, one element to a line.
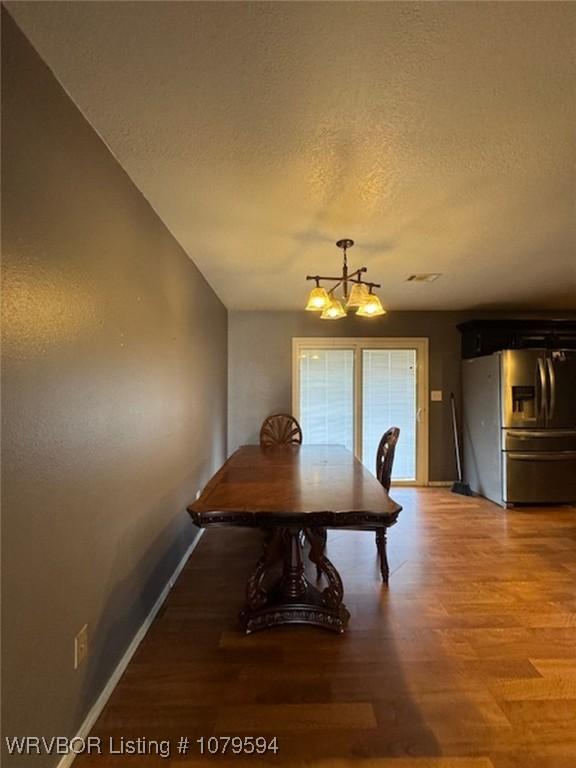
<point>280,429</point>
<point>385,456</point>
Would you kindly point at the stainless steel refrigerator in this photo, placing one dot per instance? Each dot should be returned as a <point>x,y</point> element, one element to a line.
<point>519,426</point>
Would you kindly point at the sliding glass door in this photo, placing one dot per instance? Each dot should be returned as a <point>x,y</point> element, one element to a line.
<point>350,391</point>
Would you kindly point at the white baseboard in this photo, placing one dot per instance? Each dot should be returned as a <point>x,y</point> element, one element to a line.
<point>440,483</point>
<point>100,702</point>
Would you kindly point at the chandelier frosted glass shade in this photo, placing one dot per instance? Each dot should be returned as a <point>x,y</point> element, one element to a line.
<point>319,300</point>
<point>372,307</point>
<point>358,295</point>
<point>333,312</point>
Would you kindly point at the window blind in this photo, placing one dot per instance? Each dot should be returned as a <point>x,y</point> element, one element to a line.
<point>389,400</point>
<point>327,396</point>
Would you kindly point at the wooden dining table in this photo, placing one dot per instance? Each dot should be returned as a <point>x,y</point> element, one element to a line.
<point>294,493</point>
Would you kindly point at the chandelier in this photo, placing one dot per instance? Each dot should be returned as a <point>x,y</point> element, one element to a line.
<point>360,296</point>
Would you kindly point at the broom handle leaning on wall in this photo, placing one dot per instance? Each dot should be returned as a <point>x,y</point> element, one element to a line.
<point>456,440</point>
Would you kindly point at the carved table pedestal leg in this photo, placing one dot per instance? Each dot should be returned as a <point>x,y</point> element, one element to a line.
<point>291,599</point>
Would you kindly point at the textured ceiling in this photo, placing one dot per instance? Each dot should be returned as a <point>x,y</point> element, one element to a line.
<point>440,136</point>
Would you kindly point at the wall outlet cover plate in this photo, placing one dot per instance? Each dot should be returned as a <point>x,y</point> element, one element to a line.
<point>81,646</point>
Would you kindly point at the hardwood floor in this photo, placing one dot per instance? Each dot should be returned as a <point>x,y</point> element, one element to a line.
<point>466,660</point>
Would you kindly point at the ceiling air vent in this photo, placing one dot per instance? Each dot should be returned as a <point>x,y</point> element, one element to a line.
<point>423,277</point>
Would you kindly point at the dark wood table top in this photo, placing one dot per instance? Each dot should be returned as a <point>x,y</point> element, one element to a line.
<point>299,485</point>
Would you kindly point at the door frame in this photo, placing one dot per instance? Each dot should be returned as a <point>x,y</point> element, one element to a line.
<point>357,344</point>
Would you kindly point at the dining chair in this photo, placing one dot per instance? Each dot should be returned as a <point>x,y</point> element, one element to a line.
<point>384,462</point>
<point>280,429</point>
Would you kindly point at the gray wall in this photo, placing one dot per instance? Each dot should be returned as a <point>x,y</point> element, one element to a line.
<point>260,361</point>
<point>260,366</point>
<point>114,402</point>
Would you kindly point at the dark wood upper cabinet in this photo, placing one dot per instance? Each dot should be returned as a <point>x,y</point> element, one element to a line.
<point>483,337</point>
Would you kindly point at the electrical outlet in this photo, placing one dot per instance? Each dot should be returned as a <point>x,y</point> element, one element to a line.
<point>81,646</point>
<point>436,395</point>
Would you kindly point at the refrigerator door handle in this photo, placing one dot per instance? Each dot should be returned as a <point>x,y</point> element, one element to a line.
<point>552,395</point>
<point>547,456</point>
<point>543,404</point>
<point>530,434</point>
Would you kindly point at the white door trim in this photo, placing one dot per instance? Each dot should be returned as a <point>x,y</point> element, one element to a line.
<point>357,344</point>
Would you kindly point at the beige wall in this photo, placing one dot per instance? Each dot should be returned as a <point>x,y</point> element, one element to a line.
<point>260,361</point>
<point>114,402</point>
